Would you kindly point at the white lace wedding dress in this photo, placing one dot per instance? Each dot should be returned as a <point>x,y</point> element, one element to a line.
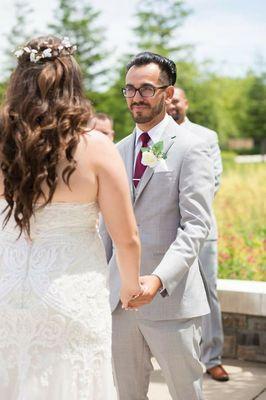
<point>55,322</point>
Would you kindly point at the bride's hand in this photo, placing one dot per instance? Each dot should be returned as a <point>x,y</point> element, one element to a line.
<point>129,292</point>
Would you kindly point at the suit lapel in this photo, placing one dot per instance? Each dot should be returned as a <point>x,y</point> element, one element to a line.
<point>148,173</point>
<point>143,182</point>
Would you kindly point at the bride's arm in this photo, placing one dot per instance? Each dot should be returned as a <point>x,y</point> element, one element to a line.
<point>115,205</point>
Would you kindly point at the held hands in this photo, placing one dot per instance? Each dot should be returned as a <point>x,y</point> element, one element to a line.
<point>128,292</point>
<point>150,285</point>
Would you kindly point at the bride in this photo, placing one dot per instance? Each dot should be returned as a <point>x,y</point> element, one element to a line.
<point>55,177</point>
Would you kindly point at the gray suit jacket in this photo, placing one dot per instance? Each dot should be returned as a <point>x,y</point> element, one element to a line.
<point>212,139</point>
<point>173,213</point>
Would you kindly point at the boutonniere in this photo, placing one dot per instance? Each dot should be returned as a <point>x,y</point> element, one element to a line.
<point>151,156</point>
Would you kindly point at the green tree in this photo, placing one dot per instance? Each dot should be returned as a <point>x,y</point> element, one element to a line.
<point>256,116</point>
<point>113,103</point>
<point>19,34</point>
<point>2,92</point>
<point>157,25</point>
<point>217,102</point>
<point>78,20</point>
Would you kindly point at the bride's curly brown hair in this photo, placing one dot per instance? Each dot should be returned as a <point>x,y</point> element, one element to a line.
<point>43,115</point>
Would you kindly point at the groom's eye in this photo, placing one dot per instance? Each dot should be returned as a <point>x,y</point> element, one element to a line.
<point>129,91</point>
<point>147,91</point>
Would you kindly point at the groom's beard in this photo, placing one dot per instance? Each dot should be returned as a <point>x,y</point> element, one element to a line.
<point>147,115</point>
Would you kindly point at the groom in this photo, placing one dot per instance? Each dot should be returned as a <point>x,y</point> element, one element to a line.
<point>172,202</point>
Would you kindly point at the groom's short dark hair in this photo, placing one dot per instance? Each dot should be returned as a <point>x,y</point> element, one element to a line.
<point>167,67</point>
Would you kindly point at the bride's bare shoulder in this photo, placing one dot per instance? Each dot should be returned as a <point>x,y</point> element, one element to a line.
<point>96,147</point>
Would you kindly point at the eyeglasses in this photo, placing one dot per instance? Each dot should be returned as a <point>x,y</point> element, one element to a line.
<point>144,91</point>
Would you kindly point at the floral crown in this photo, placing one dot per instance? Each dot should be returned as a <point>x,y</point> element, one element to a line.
<point>35,55</point>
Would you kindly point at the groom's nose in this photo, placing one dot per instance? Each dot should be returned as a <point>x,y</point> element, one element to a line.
<point>137,97</point>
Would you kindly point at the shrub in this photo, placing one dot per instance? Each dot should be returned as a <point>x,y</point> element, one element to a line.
<point>241,216</point>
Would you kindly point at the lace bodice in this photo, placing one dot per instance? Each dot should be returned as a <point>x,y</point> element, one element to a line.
<point>63,238</point>
<point>54,307</point>
<point>56,218</point>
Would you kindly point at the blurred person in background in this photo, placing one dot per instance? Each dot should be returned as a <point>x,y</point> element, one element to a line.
<point>104,123</point>
<point>212,330</point>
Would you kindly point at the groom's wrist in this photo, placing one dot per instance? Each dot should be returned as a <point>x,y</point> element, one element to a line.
<point>162,289</point>
<point>160,284</point>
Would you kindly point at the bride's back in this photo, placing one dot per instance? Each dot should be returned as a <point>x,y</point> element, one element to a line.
<point>83,184</point>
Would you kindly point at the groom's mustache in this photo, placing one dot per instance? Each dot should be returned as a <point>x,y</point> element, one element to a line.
<point>141,103</point>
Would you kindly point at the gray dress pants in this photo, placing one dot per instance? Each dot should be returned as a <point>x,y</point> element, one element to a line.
<point>212,329</point>
<point>174,343</point>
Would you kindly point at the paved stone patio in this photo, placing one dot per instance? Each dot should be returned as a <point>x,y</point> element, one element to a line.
<point>247,382</point>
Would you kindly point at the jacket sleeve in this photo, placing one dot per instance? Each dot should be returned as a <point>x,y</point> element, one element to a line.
<point>217,163</point>
<point>196,190</point>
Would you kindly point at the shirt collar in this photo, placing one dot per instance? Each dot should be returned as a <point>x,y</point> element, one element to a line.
<point>186,122</point>
<point>155,133</point>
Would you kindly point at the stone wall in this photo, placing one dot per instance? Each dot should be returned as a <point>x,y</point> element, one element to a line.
<point>243,305</point>
<point>244,337</point>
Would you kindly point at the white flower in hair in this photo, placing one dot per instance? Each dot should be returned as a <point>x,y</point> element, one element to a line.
<point>19,53</point>
<point>33,57</point>
<point>47,53</point>
<point>66,43</point>
<point>36,55</point>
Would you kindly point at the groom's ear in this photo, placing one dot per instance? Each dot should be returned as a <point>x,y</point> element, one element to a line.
<point>169,91</point>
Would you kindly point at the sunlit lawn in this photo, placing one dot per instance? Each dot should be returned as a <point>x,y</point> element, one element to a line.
<point>241,214</point>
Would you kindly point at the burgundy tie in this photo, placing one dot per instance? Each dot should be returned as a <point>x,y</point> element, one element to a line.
<point>139,167</point>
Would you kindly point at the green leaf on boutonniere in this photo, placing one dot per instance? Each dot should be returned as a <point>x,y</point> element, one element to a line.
<point>156,151</point>
<point>157,148</point>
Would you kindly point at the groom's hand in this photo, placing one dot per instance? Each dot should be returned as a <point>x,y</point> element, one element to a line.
<point>150,285</point>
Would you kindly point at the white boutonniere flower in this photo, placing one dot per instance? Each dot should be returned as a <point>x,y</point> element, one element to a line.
<point>151,156</point>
